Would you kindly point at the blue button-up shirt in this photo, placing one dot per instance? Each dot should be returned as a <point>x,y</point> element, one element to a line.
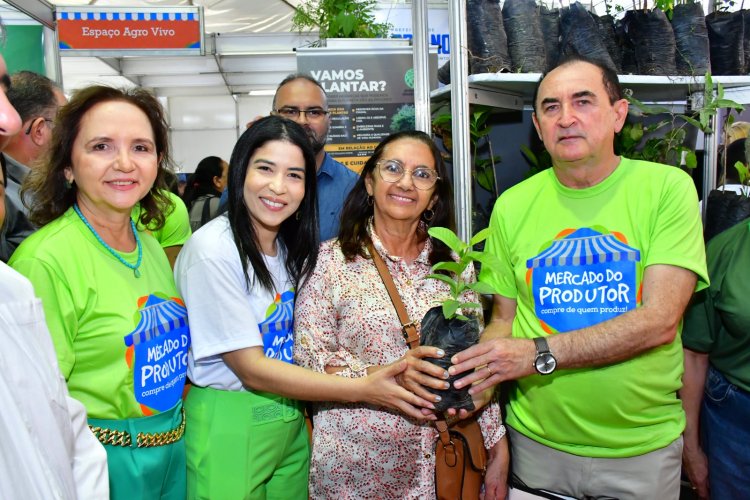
<point>334,183</point>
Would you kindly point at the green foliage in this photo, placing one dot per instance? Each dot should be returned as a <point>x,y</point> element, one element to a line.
<point>665,139</point>
<point>339,19</point>
<point>454,279</point>
<point>483,169</point>
<point>537,161</point>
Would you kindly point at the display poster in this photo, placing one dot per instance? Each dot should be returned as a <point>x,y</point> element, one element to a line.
<point>370,95</point>
<point>102,31</point>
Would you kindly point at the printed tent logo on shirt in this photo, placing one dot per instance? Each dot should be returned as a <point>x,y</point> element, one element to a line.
<point>276,329</point>
<point>583,278</point>
<point>157,352</point>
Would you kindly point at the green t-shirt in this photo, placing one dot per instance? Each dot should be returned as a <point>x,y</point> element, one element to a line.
<point>121,341</point>
<point>718,323</point>
<point>176,229</point>
<point>572,258</point>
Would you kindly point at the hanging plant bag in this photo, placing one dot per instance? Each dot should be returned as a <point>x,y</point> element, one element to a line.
<point>726,39</point>
<point>652,38</point>
<point>488,43</point>
<point>691,39</point>
<point>606,26</point>
<point>746,40</point>
<point>444,73</point>
<point>629,66</point>
<point>524,30</point>
<point>550,22</point>
<point>724,209</point>
<point>452,336</point>
<point>579,34</point>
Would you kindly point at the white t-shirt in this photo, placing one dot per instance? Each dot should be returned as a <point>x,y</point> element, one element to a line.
<point>47,449</point>
<point>224,315</point>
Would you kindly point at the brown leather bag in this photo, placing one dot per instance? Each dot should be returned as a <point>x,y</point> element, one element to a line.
<point>460,460</point>
<point>460,456</point>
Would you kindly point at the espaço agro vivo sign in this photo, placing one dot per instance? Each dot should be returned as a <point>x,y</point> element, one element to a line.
<point>112,31</point>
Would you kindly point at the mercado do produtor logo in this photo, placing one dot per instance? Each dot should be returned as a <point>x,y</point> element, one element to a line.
<point>583,277</point>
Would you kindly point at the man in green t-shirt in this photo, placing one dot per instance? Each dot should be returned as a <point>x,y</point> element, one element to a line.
<point>599,257</point>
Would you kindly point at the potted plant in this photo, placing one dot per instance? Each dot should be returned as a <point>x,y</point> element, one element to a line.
<point>339,19</point>
<point>449,326</point>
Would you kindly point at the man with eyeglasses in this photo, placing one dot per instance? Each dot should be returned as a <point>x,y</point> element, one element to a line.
<point>36,98</point>
<point>301,98</point>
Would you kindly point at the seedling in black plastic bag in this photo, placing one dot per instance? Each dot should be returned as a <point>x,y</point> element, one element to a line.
<point>445,326</point>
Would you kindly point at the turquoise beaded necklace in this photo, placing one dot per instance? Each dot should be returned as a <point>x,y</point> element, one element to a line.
<point>111,250</point>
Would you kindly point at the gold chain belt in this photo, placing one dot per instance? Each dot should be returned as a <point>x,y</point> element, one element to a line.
<point>143,439</point>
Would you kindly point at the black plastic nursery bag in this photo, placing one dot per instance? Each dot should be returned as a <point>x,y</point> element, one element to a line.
<point>652,38</point>
<point>579,34</point>
<point>452,336</point>
<point>726,38</point>
<point>524,30</point>
<point>691,39</point>
<point>488,44</point>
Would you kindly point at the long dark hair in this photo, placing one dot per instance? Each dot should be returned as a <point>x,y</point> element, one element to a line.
<point>201,182</point>
<point>357,209</point>
<point>51,193</point>
<point>298,234</point>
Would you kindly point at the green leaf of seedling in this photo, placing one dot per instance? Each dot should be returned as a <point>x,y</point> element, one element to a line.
<point>482,288</point>
<point>471,305</point>
<point>485,178</point>
<point>453,267</point>
<point>691,161</point>
<point>480,236</point>
<point>529,155</point>
<point>462,317</point>
<point>728,103</point>
<point>448,237</point>
<point>446,279</point>
<point>692,121</point>
<point>449,308</point>
<point>636,132</point>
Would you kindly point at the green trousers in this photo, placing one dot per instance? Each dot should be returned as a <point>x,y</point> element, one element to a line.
<point>245,445</point>
<point>156,473</point>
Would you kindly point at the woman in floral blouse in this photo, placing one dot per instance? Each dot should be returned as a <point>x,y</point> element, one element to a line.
<point>345,323</point>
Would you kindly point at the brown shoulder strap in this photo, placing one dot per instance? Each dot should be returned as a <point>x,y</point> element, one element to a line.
<point>408,327</point>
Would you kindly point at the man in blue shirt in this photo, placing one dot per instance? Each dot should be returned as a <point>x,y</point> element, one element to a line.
<point>300,98</point>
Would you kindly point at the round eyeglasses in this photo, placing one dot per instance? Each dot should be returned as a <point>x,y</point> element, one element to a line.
<point>393,171</point>
<point>313,115</point>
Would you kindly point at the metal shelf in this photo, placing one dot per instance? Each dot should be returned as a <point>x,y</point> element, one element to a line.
<point>511,91</point>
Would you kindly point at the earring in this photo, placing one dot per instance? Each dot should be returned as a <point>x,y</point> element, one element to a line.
<point>428,214</point>
<point>370,200</point>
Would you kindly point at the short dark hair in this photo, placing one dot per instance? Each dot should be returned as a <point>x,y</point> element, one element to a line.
<point>32,94</point>
<point>357,209</point>
<point>297,76</point>
<point>201,182</point>
<point>298,234</point>
<point>47,184</point>
<point>609,76</point>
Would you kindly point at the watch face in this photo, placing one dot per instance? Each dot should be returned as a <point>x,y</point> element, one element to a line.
<point>545,363</point>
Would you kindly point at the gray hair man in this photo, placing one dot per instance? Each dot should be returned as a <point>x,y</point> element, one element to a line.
<point>36,98</point>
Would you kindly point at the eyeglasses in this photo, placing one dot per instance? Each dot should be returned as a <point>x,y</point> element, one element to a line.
<point>313,115</point>
<point>393,171</point>
<point>51,122</point>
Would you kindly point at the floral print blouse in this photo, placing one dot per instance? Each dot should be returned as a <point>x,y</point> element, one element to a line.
<point>345,318</point>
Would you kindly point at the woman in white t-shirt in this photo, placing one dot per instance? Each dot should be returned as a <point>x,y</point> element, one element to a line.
<point>245,432</point>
